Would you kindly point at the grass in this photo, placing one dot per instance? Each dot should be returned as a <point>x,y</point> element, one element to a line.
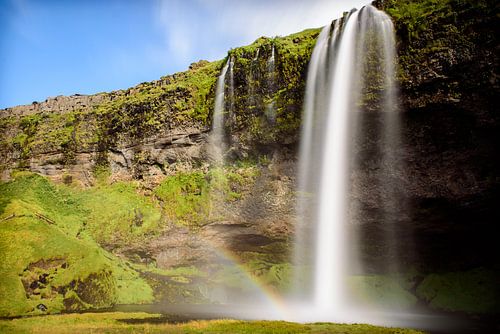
<point>129,216</point>
<point>186,197</point>
<point>153,323</point>
<point>193,198</point>
<point>109,213</point>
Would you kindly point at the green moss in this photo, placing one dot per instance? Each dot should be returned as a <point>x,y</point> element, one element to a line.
<point>255,88</point>
<point>474,291</point>
<point>187,97</point>
<point>27,240</point>
<point>192,198</point>
<point>117,214</point>
<point>418,15</point>
<point>186,197</point>
<point>47,230</point>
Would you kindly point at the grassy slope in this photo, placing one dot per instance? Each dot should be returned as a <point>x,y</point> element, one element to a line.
<point>116,323</point>
<point>56,224</point>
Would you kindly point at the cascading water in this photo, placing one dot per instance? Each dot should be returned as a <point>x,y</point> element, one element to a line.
<point>252,79</point>
<point>336,84</point>
<point>256,55</point>
<point>250,293</point>
<point>231,94</point>
<point>217,141</point>
<point>271,82</point>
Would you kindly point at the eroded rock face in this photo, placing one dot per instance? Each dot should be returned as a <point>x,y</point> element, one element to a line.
<point>448,175</point>
<point>259,223</point>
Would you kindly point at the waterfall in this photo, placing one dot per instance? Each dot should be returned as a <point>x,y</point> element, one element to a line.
<point>231,94</point>
<point>338,79</point>
<point>271,82</point>
<point>256,55</point>
<point>217,140</point>
<point>252,79</point>
<point>331,259</point>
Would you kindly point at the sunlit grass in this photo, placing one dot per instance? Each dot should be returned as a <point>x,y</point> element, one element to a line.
<point>119,322</point>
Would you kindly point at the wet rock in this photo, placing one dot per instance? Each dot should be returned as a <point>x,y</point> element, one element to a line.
<point>42,307</point>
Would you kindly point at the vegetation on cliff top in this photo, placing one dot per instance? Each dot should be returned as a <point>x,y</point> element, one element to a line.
<point>255,88</point>
<point>440,41</point>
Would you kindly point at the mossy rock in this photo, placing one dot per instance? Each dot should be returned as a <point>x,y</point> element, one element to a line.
<point>475,291</point>
<point>381,291</point>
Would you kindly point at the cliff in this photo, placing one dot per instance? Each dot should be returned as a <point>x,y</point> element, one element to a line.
<point>145,131</point>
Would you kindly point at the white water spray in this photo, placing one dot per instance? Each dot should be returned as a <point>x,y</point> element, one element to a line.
<point>331,257</point>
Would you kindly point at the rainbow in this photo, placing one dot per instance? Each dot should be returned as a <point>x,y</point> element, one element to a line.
<point>272,298</point>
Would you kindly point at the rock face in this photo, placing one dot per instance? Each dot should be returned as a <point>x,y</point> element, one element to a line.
<point>450,127</point>
<point>448,57</point>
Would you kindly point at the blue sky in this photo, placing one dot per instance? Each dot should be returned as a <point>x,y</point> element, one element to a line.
<point>57,47</point>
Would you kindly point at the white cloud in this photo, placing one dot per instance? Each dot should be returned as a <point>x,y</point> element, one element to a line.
<point>208,28</point>
<point>279,17</point>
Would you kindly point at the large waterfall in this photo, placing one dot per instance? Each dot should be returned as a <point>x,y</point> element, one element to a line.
<point>353,59</point>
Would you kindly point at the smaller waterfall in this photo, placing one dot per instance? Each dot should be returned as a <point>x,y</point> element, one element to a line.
<point>217,140</point>
<point>256,55</point>
<point>271,82</point>
<point>252,79</point>
<point>231,95</point>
